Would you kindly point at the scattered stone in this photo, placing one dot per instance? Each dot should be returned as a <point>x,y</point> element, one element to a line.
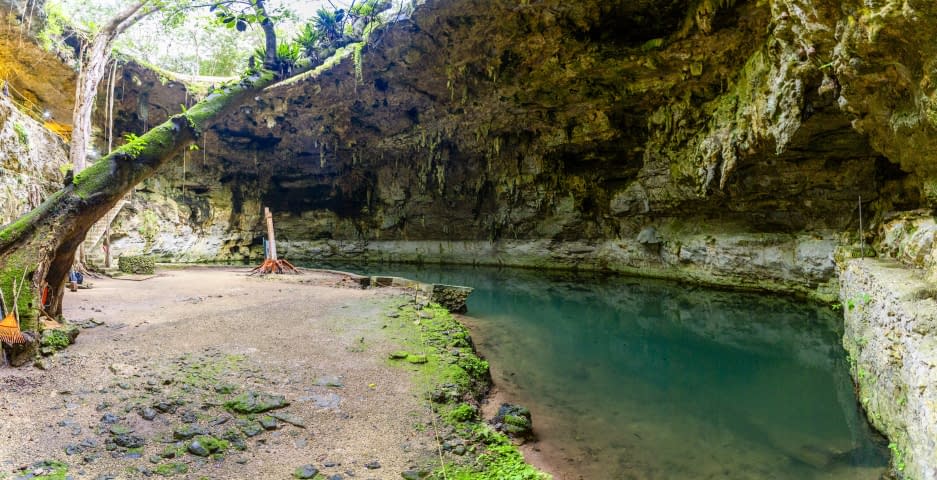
<point>221,420</point>
<point>129,441</point>
<point>372,465</point>
<point>188,431</point>
<point>109,418</point>
<point>256,402</point>
<point>268,422</point>
<point>148,414</point>
<point>196,448</point>
<point>330,464</point>
<point>189,417</point>
<point>399,355</point>
<point>252,429</point>
<point>514,420</point>
<point>235,438</point>
<point>289,418</point>
<point>306,471</point>
<point>165,407</point>
<point>393,314</point>
<point>173,451</point>
<point>337,476</point>
<point>73,449</point>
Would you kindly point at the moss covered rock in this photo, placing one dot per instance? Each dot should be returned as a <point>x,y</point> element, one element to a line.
<point>256,402</point>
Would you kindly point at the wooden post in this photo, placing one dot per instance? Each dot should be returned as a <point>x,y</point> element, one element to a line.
<point>270,238</point>
<point>107,246</point>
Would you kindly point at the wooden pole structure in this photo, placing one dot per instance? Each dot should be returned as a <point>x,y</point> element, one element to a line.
<point>271,241</point>
<point>272,264</point>
<point>107,246</point>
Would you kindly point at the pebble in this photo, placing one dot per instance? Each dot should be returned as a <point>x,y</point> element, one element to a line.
<point>372,465</point>
<point>148,413</point>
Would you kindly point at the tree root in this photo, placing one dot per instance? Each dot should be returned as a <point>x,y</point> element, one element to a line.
<point>275,266</point>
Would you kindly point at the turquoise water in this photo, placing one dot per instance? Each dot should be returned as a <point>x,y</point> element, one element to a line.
<point>633,378</point>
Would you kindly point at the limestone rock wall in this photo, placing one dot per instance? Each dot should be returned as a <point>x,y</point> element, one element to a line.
<point>891,326</point>
<point>31,158</point>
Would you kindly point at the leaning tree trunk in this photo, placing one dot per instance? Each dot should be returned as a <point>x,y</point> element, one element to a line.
<point>41,245</point>
<point>93,60</point>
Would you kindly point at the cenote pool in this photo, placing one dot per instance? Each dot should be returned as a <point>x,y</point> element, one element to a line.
<point>635,378</point>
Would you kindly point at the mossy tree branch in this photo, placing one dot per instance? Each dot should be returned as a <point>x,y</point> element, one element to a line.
<point>41,245</point>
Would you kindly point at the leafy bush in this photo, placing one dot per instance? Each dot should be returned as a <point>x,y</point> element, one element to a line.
<point>136,264</point>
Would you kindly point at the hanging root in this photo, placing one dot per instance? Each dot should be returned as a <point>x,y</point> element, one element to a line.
<point>275,266</point>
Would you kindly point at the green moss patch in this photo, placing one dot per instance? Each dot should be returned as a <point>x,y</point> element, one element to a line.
<point>49,470</point>
<point>454,379</point>
<point>170,469</point>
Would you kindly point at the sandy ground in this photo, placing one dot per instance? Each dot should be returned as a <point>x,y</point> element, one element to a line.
<point>313,338</point>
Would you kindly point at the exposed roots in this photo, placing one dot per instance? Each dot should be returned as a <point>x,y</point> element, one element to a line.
<point>275,266</point>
